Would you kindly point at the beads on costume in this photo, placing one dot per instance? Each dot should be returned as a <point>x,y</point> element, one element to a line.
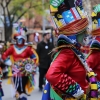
<point>75,90</point>
<point>93,84</point>
<point>67,84</point>
<point>98,83</point>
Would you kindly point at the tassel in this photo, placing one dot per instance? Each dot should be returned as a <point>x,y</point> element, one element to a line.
<point>10,72</point>
<point>21,83</point>
<point>29,88</point>
<point>9,80</point>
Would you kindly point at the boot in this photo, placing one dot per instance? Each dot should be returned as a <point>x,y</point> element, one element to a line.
<point>23,97</point>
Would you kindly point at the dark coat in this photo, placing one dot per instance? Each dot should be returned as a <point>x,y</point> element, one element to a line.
<point>43,49</point>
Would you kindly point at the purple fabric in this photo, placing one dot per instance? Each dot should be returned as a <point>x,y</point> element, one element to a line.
<point>94,94</point>
<point>78,3</point>
<point>92,79</point>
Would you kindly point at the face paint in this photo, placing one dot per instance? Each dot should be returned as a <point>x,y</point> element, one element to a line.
<point>20,41</point>
<point>80,38</point>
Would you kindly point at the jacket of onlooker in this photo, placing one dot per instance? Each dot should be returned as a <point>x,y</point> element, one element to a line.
<point>44,58</point>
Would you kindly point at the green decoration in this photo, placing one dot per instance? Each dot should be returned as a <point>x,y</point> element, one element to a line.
<point>56,3</point>
<point>54,95</point>
<point>97,8</point>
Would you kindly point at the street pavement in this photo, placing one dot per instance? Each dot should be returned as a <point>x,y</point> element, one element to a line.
<point>36,95</point>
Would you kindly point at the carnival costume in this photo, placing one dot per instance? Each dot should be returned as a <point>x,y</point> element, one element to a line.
<point>23,65</point>
<point>93,58</point>
<point>1,90</point>
<point>68,70</point>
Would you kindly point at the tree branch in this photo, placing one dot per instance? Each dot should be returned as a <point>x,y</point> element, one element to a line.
<point>9,15</point>
<point>1,19</point>
<point>2,4</point>
<point>21,15</point>
<point>26,11</point>
<point>8,3</point>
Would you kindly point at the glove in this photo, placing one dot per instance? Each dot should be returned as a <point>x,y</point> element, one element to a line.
<point>8,62</point>
<point>79,93</point>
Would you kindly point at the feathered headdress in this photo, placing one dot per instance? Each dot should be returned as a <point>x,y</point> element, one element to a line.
<point>19,31</point>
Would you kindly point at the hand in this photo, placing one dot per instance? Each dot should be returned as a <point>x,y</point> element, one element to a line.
<point>79,94</point>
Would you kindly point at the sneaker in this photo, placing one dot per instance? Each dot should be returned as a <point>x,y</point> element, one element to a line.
<point>23,97</point>
<point>28,94</point>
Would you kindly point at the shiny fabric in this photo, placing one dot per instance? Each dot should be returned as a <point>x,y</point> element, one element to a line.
<point>17,56</point>
<point>94,62</point>
<point>68,64</point>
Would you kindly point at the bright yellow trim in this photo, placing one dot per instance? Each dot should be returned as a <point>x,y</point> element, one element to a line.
<point>52,9</point>
<point>94,99</point>
<point>29,88</point>
<point>94,87</point>
<point>12,60</point>
<point>91,74</point>
<point>37,57</point>
<point>94,14</point>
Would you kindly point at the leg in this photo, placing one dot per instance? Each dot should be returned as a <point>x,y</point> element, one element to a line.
<point>14,86</point>
<point>23,95</point>
<point>45,71</point>
<point>20,83</point>
<point>41,77</point>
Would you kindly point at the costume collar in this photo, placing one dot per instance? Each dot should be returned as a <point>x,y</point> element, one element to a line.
<point>19,50</point>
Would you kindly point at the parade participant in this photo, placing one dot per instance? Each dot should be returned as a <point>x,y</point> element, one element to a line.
<point>1,75</point>
<point>93,58</point>
<point>43,48</point>
<point>67,72</point>
<point>23,58</point>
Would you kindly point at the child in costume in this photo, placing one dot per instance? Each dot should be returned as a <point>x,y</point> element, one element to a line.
<point>93,58</point>
<point>68,70</point>
<point>23,58</point>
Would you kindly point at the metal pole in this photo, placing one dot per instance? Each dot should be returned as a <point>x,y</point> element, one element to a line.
<point>43,17</point>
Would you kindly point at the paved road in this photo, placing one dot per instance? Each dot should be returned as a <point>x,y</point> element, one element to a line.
<point>36,95</point>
